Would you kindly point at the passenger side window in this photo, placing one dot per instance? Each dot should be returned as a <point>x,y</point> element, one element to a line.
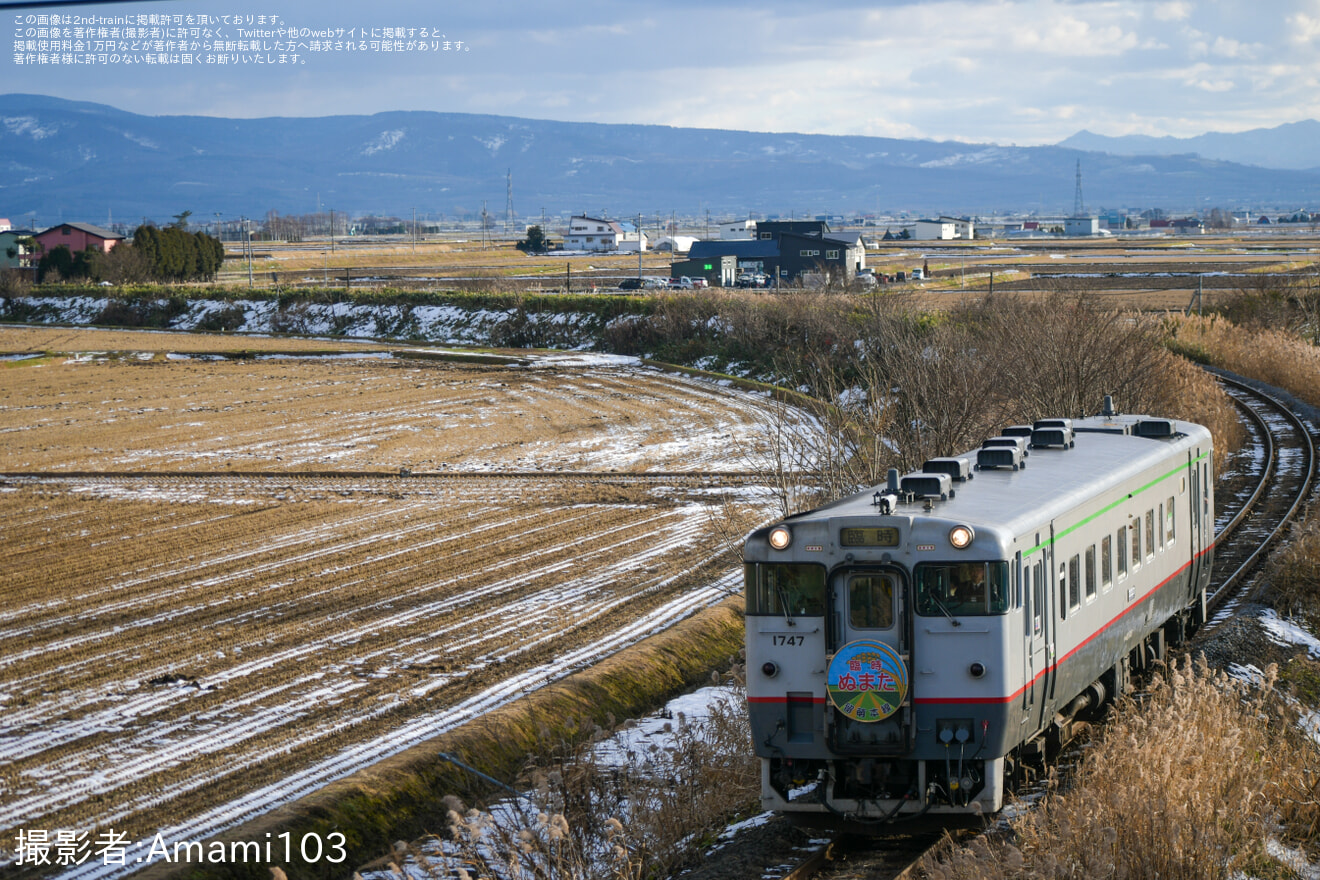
<point>1135,528</point>
<point>1074,587</point>
<point>1168,521</point>
<point>1106,561</point>
<point>1090,573</point>
<point>1122,551</point>
<point>1150,533</point>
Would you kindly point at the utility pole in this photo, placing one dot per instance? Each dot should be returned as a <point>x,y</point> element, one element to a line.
<point>508,204</point>
<point>414,230</point>
<point>247,234</point>
<point>639,245</point>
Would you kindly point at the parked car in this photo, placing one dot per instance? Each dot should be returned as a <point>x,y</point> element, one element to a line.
<point>752,279</point>
<point>700,283</point>
<point>684,283</point>
<point>630,284</point>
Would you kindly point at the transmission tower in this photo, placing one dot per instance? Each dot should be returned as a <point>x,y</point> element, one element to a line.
<point>508,204</point>
<point>1078,207</point>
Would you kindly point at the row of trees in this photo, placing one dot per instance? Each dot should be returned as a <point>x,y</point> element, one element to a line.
<point>169,254</point>
<point>177,255</point>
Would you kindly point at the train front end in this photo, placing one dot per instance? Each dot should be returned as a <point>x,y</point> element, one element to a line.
<point>878,667</point>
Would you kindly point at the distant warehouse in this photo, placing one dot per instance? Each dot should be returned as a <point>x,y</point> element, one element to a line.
<point>782,250</point>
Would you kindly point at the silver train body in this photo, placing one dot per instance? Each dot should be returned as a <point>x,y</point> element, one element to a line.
<point>912,646</point>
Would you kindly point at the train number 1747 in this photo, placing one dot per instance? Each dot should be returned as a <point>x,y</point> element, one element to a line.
<point>787,640</point>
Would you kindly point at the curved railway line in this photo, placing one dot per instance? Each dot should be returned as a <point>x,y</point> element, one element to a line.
<point>1287,474</point>
<point>1258,514</point>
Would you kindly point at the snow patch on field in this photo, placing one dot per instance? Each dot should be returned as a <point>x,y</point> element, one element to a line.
<point>435,323</point>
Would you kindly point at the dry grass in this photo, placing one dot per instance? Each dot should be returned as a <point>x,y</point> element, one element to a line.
<point>587,819</point>
<point>1188,781</point>
<point>1277,357</point>
<point>441,259</point>
<point>1294,576</point>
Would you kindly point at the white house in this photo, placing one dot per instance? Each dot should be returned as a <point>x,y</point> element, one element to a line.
<point>934,230</point>
<point>596,234</point>
<point>1081,226</point>
<point>679,244</point>
<point>963,227</point>
<point>739,230</point>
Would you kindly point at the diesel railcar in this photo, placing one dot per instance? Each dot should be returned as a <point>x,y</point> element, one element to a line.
<point>912,646</point>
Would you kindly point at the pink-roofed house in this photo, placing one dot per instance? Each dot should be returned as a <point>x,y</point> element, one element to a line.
<point>77,237</point>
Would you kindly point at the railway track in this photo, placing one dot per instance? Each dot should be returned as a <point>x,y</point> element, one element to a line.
<point>1275,492</point>
<point>1285,479</point>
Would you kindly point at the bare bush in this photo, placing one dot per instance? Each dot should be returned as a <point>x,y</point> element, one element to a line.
<point>630,816</point>
<point>909,386</point>
<point>122,265</point>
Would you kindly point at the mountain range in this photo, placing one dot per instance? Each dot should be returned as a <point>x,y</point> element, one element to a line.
<point>64,160</point>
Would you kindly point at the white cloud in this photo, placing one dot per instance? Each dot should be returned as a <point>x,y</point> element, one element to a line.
<point>1176,10</point>
<point>1228,48</point>
<point>1305,28</point>
<point>1070,36</point>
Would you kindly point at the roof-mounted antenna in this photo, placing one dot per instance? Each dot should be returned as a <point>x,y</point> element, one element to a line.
<point>1108,411</point>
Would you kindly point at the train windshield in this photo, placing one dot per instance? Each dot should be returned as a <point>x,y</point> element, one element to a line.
<point>962,588</point>
<point>787,589</point>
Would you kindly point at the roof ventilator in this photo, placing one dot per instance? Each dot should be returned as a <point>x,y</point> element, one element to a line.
<point>933,487</point>
<point>1052,438</point>
<point>958,468</point>
<point>1018,443</point>
<point>1155,428</point>
<point>1007,457</point>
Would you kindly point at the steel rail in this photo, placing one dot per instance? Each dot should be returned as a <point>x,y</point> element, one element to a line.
<point>1270,478</point>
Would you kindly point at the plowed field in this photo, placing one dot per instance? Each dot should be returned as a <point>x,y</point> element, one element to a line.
<point>224,583</point>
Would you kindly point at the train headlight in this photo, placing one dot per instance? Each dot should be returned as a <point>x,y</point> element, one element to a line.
<point>961,537</point>
<point>976,670</point>
<point>780,537</point>
<point>769,669</point>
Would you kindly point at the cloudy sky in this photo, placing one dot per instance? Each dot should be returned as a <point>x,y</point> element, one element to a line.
<point>1001,71</point>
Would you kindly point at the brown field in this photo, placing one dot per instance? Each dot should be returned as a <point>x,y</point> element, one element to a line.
<point>961,269</point>
<point>194,628</point>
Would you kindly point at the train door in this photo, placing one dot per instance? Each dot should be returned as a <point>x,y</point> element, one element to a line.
<point>1039,626</point>
<point>870,625</point>
<point>1195,531</point>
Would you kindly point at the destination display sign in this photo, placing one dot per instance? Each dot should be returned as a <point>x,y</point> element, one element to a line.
<point>869,537</point>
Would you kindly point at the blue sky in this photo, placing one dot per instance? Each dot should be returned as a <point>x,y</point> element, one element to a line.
<point>1001,71</point>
